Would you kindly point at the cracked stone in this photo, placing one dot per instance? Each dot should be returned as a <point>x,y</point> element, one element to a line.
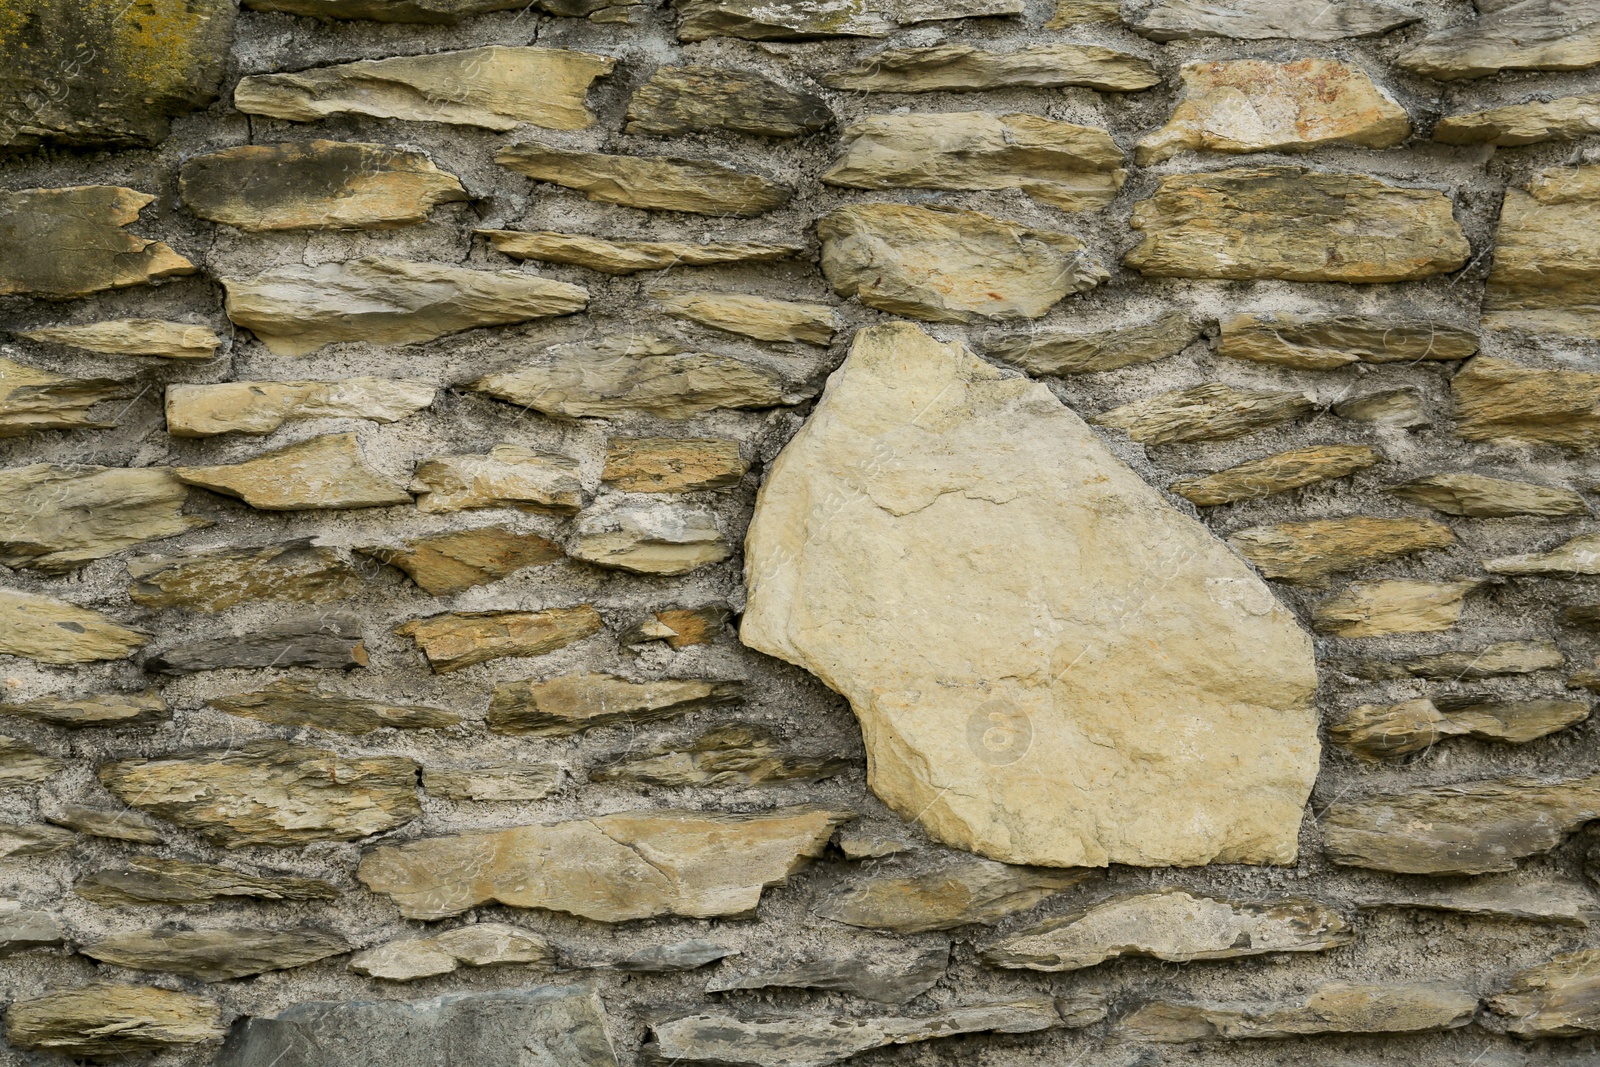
<point>478,945</point>
<point>66,243</point>
<point>741,755</point>
<point>1383,731</point>
<point>680,627</point>
<point>1560,998</point>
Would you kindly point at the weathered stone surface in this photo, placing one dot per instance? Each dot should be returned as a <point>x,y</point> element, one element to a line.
<point>113,825</point>
<point>261,407</point>
<point>1073,168</point>
<point>1316,342</point>
<point>612,868</point>
<point>59,518</point>
<point>457,560</point>
<point>22,929</point>
<point>637,373</point>
<point>1171,924</point>
<point>761,317</point>
<point>1566,118</point>
<point>1335,1008</point>
<point>1498,401</point>
<point>65,243</point>
<point>658,183</point>
<point>1084,12</point>
<point>1313,550</point>
<point>679,100</point>
<point>315,185</point>
<point>951,265</point>
<point>860,596</point>
<point>108,74</point>
<point>1386,407</point>
<point>1296,225</point>
<point>154,880</point>
<point>1064,351</point>
<point>678,956</point>
<point>493,781</point>
<point>1525,35</point>
<point>219,953</point>
<point>1560,998</point>
<point>680,627</point>
<point>648,537</point>
<point>324,642</point>
<point>322,472</point>
<point>1211,412</point>
<point>33,839</point>
<point>295,571</point>
<point>957,68</point>
<point>1381,731</point>
<point>270,793</point>
<point>295,703</point>
<point>742,754</point>
<point>507,475</point>
<point>22,764</point>
<point>506,1028</point>
<point>479,945</point>
<point>1278,473</point>
<point>945,893</point>
<point>570,703</point>
<point>296,310</point>
<point>1494,897</point>
<point>1501,657</point>
<point>1397,606</point>
<point>1466,828</point>
<point>133,337</point>
<point>1546,261</point>
<point>32,399</point>
<point>811,1041</point>
<point>112,1020</point>
<point>804,20</point>
<point>54,631</point>
<point>1255,20</point>
<point>1255,105</point>
<point>460,639</point>
<point>1481,496</point>
<point>616,256</point>
<point>870,843</point>
<point>496,87</point>
<point>1581,555</point>
<point>672,464</point>
<point>887,976</point>
<point>443,12</point>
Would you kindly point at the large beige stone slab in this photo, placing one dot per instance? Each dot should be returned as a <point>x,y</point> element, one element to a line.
<point>1255,105</point>
<point>133,337</point>
<point>496,87</point>
<point>1565,118</point>
<point>611,868</point>
<point>32,399</point>
<point>957,68</point>
<point>969,595</point>
<point>659,183</point>
<point>1255,20</point>
<point>261,407</point>
<point>1547,256</point>
<point>619,256</point>
<point>65,243</point>
<point>1296,225</point>
<point>296,310</point>
<point>1523,35</point>
<point>1070,167</point>
<point>106,1020</point>
<point>54,631</point>
<point>324,472</point>
<point>60,517</point>
<point>949,264</point>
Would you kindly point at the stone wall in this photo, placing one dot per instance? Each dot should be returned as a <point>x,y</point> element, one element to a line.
<point>1194,533</point>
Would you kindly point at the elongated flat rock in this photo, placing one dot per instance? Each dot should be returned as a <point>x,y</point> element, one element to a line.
<point>1560,998</point>
<point>764,318</point>
<point>324,472</point>
<point>507,475</point>
<point>951,265</point>
<point>612,868</point>
<point>53,631</point>
<point>648,536</point>
<point>960,720</point>
<point>571,703</point>
<point>679,100</point>
<point>672,464</point>
<point>60,517</point>
<point>1469,664</point>
<point>315,185</point>
<point>106,1020</point>
<point>496,88</point>
<point>98,709</point>
<point>329,642</point>
<point>659,183</point>
<point>889,977</point>
<point>261,407</point>
<point>942,895</point>
<point>804,20</point>
<point>1255,105</point>
<point>1171,924</point>
<point>218,953</point>
<point>1382,731</point>
<point>488,781</point>
<point>133,337</point>
<point>1581,555</point>
<point>65,243</point>
<point>1073,168</point>
<point>461,639</point>
<point>1546,255</point>
<point>1316,342</point>
<point>1397,606</point>
<point>34,839</point>
<point>457,560</point>
<point>1278,473</point>
<point>1469,828</point>
<point>1509,896</point>
<point>1566,118</point>
<point>1500,401</point>
<point>956,68</point>
<point>294,311</point>
<point>292,571</point>
<point>478,945</point>
<point>637,373</point>
<point>270,793</point>
<point>22,929</point>
<point>113,825</point>
<point>22,764</point>
<point>152,880</point>
<point>1313,550</point>
<point>1073,351</point>
<point>439,12</point>
<point>1400,408</point>
<point>1525,35</point>
<point>1211,412</point>
<point>616,256</point>
<point>1255,20</point>
<point>741,754</point>
<point>296,703</point>
<point>33,399</point>
<point>1336,1008</point>
<point>1296,225</point>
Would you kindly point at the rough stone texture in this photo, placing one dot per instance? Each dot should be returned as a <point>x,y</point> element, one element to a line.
<point>1560,998</point>
<point>1496,897</point>
<point>1500,401</point>
<point>22,929</point>
<point>981,462</point>
<point>99,709</point>
<point>112,825</point>
<point>1397,606</point>
<point>324,472</point>
<point>806,19</point>
<point>570,703</point>
<point>326,642</point>
<point>726,756</point>
<point>112,1021</point>
<point>479,945</point>
<point>647,537</point>
<point>295,311</point>
<point>506,474</point>
<point>611,868</point>
<point>72,242</point>
<point>33,399</point>
<point>1309,342</point>
<point>54,631</point>
<point>1253,20</point>
<point>152,880</point>
<point>1279,473</point>
<point>1545,258</point>
<point>1339,1008</point>
<point>950,265</point>
<point>493,781</point>
<point>293,571</point>
<point>1401,408</point>
<point>270,793</point>
<point>22,764</point>
<point>1312,551</point>
<point>1073,168</point>
<point>1252,105</point>
<point>962,68</point>
<point>1084,351</point>
<point>1212,412</point>
<point>1499,658</point>
<point>1482,496</point>
<point>457,560</point>
<point>215,954</point>
<point>618,256</point>
<point>262,407</point>
<point>678,100</point>
<point>133,337</point>
<point>1581,555</point>
<point>61,517</point>
<point>294,703</point>
<point>1567,118</point>
<point>760,317</point>
<point>496,88</point>
<point>672,464</point>
<point>453,641</point>
<point>1376,731</point>
<point>888,978</point>
<point>660,183</point>
<point>1511,35</point>
<point>680,627</point>
<point>1296,225</point>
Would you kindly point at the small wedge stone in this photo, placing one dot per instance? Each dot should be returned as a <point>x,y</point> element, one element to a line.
<point>811,19</point>
<point>478,945</point>
<point>1401,408</point>
<point>1212,412</point>
<point>34,839</point>
<point>22,764</point>
<point>457,640</point>
<point>649,537</point>
<point>571,703</point>
<point>739,755</point>
<point>1278,473</point>
<point>458,560</point>
<point>113,825</point>
<point>616,256</point>
<point>886,976</point>
<point>32,399</point>
<point>956,890</point>
<point>1581,555</point>
<point>680,627</point>
<point>296,703</point>
<point>761,317</point>
<point>679,100</point>
<point>1490,661</point>
<point>508,475</point>
<point>1058,351</point>
<point>1313,550</point>
<point>658,183</point>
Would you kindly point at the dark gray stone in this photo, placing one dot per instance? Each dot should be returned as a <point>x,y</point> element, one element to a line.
<point>680,100</point>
